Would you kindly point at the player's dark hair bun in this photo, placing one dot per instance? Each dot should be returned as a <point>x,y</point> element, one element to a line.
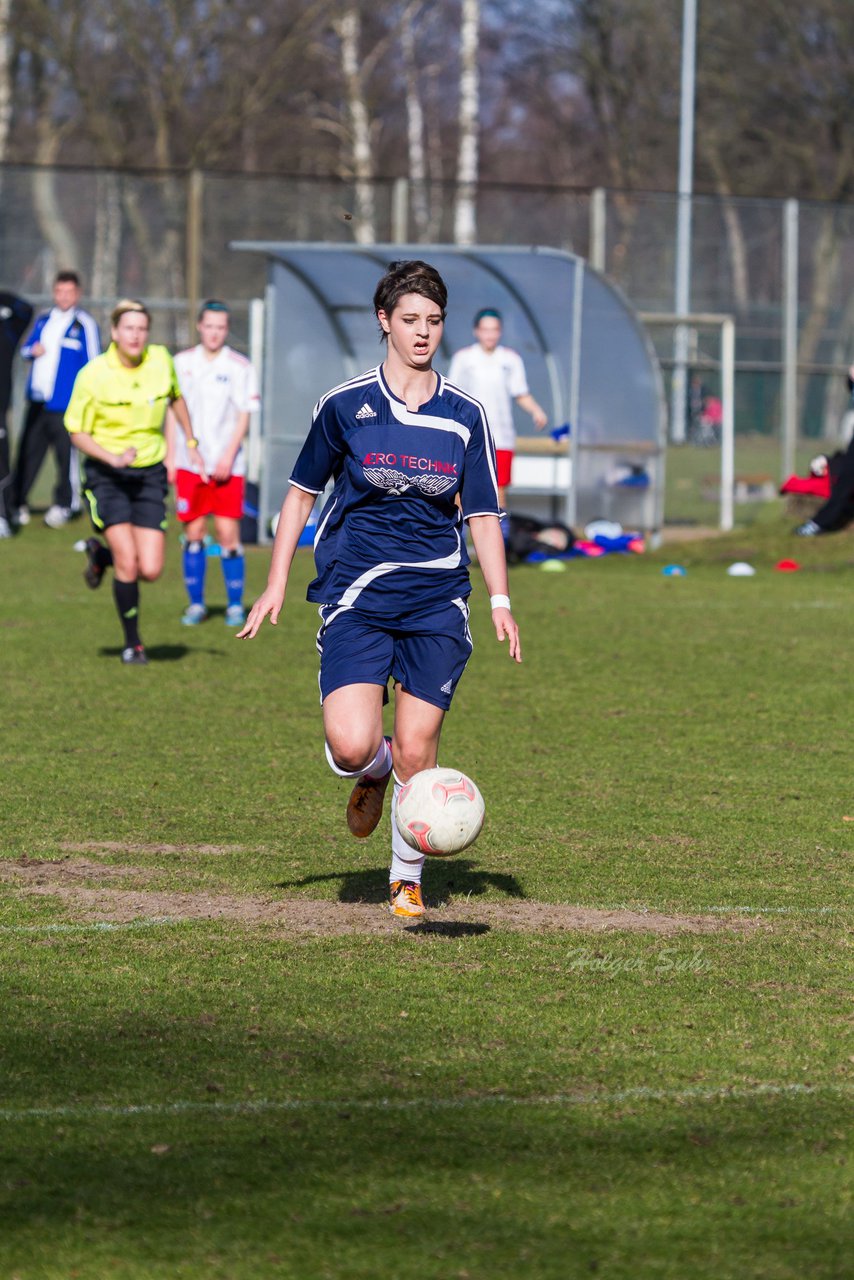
<point>410,276</point>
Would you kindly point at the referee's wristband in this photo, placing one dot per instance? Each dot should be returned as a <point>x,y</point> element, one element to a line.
<point>499,602</point>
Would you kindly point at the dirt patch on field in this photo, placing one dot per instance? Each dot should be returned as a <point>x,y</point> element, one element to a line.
<point>122,846</point>
<point>52,873</point>
<point>301,917</point>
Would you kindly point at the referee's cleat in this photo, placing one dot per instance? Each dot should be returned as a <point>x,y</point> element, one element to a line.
<point>134,656</point>
<point>405,899</point>
<point>193,615</point>
<point>365,806</point>
<point>235,615</point>
<point>94,571</point>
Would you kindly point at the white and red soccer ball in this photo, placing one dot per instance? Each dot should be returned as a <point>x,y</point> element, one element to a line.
<point>439,812</point>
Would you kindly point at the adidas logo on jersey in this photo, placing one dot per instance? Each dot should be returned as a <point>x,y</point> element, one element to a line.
<point>446,687</point>
<point>366,412</point>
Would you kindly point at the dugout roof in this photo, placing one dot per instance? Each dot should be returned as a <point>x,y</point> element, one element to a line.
<point>588,359</point>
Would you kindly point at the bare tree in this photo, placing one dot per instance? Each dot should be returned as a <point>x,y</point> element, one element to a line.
<point>465,211</point>
<point>349,28</point>
<point>107,235</point>
<point>415,123</point>
<point>48,122</point>
<point>6,76</point>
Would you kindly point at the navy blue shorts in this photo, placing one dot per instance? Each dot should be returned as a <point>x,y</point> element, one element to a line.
<point>426,652</point>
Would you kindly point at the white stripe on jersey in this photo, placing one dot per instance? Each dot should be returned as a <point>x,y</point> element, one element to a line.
<point>463,607</point>
<point>428,420</point>
<point>352,593</point>
<point>93,337</point>
<point>435,421</point>
<point>362,380</point>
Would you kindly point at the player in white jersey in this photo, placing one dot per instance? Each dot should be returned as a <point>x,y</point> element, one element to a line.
<point>495,375</point>
<point>412,459</point>
<point>220,388</point>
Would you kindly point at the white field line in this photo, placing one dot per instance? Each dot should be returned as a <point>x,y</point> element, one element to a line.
<point>97,926</point>
<point>768,911</point>
<point>157,922</point>
<point>728,910</point>
<point>263,1106</point>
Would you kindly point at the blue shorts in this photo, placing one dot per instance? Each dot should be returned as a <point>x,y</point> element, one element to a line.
<point>426,652</point>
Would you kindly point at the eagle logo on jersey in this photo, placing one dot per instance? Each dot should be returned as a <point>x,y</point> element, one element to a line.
<point>397,482</point>
<point>433,485</point>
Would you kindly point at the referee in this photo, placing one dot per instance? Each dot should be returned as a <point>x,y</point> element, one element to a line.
<point>115,417</point>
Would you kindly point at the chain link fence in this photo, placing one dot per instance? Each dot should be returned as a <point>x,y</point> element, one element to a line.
<point>165,237</point>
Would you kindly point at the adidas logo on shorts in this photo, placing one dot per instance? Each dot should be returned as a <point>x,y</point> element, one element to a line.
<point>446,688</point>
<point>365,412</point>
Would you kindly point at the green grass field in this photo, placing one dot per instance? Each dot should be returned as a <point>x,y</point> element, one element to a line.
<point>222,1060</point>
<point>692,477</point>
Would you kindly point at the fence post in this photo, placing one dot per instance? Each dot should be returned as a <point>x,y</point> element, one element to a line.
<point>728,424</point>
<point>575,393</point>
<point>195,202</point>
<point>598,228</point>
<point>400,211</point>
<point>789,398</point>
<point>256,355</point>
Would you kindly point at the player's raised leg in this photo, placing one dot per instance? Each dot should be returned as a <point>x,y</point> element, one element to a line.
<point>356,748</point>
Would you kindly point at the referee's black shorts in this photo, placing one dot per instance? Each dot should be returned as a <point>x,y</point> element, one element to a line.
<point>126,495</point>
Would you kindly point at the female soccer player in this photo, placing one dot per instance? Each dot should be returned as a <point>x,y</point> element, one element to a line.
<point>115,417</point>
<point>412,459</point>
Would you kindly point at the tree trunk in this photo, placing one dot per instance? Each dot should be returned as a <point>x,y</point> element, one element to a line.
<point>435,162</point>
<point>737,251</point>
<point>108,236</point>
<point>349,28</point>
<point>836,395</point>
<point>52,224</point>
<point>6,94</point>
<point>732,227</point>
<point>465,211</point>
<point>415,127</point>
<point>826,262</point>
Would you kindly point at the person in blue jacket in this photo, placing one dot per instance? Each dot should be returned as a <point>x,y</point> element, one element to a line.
<point>412,462</point>
<point>62,341</point>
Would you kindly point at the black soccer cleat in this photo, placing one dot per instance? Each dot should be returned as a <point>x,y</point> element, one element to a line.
<point>134,656</point>
<point>94,571</point>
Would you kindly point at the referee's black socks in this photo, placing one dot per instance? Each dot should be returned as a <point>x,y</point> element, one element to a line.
<point>126,595</point>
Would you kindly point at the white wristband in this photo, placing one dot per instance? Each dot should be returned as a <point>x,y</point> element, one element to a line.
<point>499,602</point>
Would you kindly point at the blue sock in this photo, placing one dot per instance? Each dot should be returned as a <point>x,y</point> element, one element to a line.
<point>194,571</point>
<point>234,572</point>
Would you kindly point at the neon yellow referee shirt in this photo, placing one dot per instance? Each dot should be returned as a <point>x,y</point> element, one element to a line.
<point>122,408</point>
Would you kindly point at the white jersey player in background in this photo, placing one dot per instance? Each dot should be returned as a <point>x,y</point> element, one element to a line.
<point>495,375</point>
<point>220,388</point>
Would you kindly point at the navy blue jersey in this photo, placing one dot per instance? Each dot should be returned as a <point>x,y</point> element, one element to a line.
<point>390,538</point>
